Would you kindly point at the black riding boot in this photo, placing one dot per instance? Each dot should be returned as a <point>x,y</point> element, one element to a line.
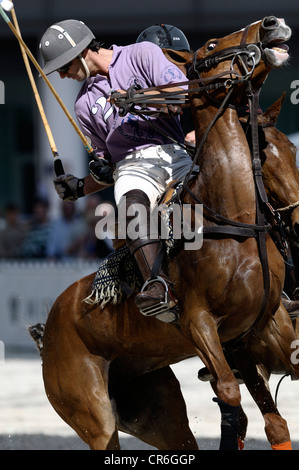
<point>156,297</point>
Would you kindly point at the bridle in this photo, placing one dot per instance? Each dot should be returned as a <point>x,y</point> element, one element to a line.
<point>249,56</point>
<point>252,53</point>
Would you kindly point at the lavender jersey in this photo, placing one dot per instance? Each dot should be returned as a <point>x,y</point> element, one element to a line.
<point>111,135</point>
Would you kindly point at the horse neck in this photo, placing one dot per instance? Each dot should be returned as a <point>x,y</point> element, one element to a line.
<point>280,170</point>
<point>226,181</point>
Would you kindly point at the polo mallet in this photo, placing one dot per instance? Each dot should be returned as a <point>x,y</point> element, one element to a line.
<point>8,6</point>
<point>58,166</point>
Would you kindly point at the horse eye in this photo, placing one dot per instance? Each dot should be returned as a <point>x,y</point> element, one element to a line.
<point>211,46</point>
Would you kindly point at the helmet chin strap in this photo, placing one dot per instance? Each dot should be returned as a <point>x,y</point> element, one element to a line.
<point>87,72</point>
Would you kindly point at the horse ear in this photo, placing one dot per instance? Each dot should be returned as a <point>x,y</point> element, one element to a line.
<point>272,113</point>
<point>178,57</point>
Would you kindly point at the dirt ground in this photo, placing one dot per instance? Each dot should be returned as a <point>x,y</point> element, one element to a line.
<point>28,422</point>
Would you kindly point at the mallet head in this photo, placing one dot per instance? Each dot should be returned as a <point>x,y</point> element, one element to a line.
<point>7,5</point>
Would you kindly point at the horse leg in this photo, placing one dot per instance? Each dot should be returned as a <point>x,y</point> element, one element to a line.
<point>233,425</point>
<point>151,408</point>
<point>76,383</point>
<point>205,376</point>
<point>279,335</point>
<point>276,427</point>
<point>203,332</point>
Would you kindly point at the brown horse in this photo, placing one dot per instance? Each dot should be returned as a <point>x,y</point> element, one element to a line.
<point>281,177</point>
<point>281,346</point>
<point>279,169</point>
<point>103,368</point>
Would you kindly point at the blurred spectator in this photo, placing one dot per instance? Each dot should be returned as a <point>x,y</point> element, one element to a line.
<point>12,233</point>
<point>87,245</point>
<point>36,241</point>
<point>64,230</point>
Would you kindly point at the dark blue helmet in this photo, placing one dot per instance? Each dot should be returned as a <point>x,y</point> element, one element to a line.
<point>165,36</point>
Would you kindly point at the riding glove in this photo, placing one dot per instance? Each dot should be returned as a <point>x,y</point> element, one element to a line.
<point>68,187</point>
<point>101,171</point>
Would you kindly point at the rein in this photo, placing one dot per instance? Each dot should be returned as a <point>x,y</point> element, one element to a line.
<point>136,99</point>
<point>290,207</point>
<point>135,95</point>
<point>213,60</point>
<point>261,201</point>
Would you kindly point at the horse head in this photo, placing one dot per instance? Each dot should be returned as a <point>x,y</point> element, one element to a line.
<point>248,54</point>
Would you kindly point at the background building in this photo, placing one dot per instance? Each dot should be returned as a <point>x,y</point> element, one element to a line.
<point>26,167</point>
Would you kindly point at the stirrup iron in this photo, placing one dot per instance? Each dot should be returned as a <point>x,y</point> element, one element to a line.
<point>165,311</point>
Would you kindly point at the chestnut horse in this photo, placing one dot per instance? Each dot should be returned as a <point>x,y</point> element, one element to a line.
<point>278,156</point>
<point>272,334</point>
<point>102,372</point>
<point>279,170</point>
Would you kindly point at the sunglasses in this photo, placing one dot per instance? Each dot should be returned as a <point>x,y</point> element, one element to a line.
<point>65,68</point>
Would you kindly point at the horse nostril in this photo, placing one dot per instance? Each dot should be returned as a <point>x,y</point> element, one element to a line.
<point>270,22</point>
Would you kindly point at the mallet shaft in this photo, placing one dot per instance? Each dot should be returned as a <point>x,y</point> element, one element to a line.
<point>49,84</point>
<point>59,170</point>
<point>34,87</point>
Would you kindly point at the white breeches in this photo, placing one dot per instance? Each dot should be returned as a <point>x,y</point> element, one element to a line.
<point>150,170</point>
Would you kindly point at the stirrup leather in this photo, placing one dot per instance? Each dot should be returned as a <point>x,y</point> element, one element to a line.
<point>166,311</point>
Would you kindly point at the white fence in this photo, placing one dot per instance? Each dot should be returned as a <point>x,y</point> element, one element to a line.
<point>27,293</point>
